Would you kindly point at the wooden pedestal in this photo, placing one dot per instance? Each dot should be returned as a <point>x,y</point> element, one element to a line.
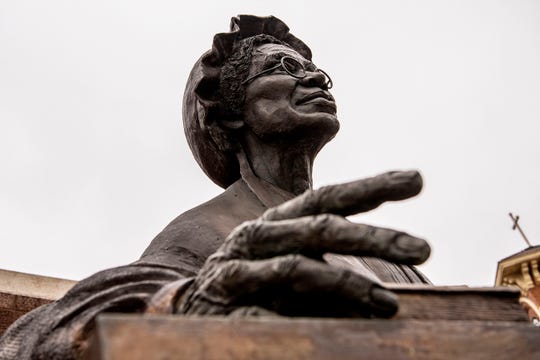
<point>433,323</point>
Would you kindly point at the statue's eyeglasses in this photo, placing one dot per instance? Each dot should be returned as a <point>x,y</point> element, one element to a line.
<point>294,68</point>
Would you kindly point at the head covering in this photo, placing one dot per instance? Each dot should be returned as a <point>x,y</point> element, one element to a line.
<point>202,99</point>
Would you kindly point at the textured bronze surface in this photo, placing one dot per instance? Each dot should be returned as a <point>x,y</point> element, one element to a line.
<point>270,243</point>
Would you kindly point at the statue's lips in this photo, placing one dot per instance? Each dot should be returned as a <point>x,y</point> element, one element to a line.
<point>315,95</point>
<point>322,97</point>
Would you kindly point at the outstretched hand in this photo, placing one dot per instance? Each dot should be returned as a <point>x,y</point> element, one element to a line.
<point>274,264</point>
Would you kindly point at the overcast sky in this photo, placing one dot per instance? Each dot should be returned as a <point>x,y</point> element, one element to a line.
<point>94,162</point>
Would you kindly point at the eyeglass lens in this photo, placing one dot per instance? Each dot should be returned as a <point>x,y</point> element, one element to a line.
<point>293,67</point>
<point>296,69</point>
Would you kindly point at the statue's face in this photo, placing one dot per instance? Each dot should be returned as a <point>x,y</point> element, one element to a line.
<point>279,106</point>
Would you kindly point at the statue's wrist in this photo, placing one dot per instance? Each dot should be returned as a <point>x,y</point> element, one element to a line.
<point>168,298</point>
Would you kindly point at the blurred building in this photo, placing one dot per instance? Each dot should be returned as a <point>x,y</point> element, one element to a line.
<point>521,270</point>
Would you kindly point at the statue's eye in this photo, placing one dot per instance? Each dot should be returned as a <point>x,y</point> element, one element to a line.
<point>272,66</point>
<point>293,67</point>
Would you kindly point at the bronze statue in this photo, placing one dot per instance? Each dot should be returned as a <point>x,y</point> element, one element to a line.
<point>256,113</point>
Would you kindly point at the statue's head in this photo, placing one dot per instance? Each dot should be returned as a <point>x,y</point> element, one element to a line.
<point>256,79</point>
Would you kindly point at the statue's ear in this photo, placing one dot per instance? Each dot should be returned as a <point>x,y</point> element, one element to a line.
<point>225,134</point>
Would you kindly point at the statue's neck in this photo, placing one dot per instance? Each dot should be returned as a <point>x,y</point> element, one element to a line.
<point>287,168</point>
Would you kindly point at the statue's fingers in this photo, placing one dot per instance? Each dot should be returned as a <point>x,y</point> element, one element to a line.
<point>316,235</point>
<point>300,286</point>
<point>350,198</point>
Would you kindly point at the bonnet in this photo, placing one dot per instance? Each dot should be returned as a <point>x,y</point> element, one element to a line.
<point>201,102</point>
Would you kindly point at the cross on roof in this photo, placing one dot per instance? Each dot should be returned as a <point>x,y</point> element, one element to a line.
<point>515,226</point>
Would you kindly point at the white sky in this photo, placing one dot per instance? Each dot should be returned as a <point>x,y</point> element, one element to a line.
<point>94,162</point>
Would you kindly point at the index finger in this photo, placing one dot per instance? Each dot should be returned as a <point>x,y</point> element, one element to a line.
<point>350,198</point>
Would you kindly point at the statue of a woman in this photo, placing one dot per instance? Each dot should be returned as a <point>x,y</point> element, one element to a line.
<point>256,113</point>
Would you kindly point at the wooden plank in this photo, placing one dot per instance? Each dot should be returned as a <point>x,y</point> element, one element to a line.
<point>458,303</point>
<point>134,337</point>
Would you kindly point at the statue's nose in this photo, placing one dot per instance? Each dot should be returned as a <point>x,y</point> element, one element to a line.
<point>314,79</point>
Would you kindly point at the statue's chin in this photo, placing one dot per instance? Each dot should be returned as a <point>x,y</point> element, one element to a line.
<point>332,124</point>
<point>308,129</point>
<point>315,133</point>
<point>330,131</point>
<point>324,126</point>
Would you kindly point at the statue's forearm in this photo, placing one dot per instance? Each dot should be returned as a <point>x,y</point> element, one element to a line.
<point>60,330</point>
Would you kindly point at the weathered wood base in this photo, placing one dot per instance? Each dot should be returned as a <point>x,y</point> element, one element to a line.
<point>171,337</point>
<point>432,323</point>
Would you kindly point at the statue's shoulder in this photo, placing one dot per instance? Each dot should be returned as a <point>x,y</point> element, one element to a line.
<point>198,232</point>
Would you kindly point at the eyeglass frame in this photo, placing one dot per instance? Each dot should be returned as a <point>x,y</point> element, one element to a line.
<point>329,83</point>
